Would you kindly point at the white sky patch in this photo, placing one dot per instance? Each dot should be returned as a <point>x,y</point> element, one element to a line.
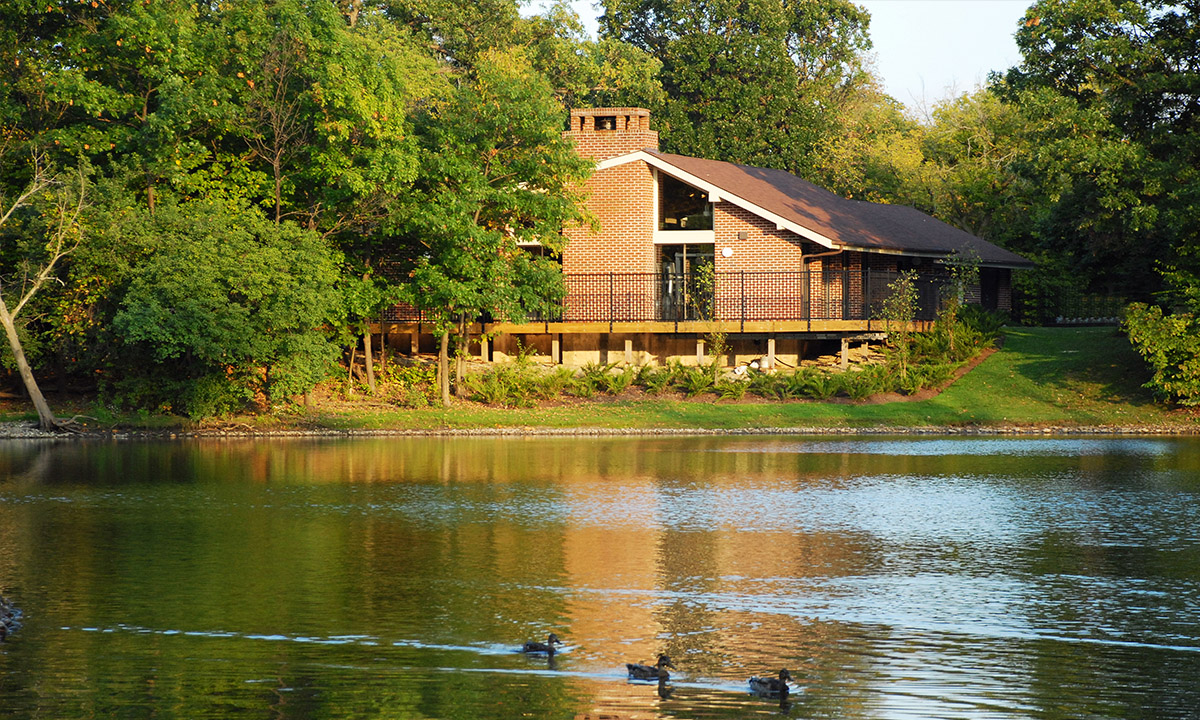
<point>925,50</point>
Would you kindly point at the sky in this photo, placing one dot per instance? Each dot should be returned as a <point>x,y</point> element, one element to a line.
<point>926,50</point>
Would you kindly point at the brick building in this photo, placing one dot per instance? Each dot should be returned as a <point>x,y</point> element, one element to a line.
<point>686,246</point>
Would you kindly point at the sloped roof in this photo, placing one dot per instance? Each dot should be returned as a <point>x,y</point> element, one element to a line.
<point>829,219</point>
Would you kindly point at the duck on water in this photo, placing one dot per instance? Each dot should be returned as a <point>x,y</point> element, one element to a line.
<point>538,647</point>
<point>10,618</point>
<point>656,671</point>
<point>771,686</point>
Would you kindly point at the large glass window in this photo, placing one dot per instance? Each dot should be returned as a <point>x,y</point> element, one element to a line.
<point>682,207</point>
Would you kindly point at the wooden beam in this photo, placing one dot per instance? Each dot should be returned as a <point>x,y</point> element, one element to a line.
<point>732,327</point>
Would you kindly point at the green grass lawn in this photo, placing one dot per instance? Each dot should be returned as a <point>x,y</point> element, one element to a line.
<point>1083,377</point>
<point>1041,377</point>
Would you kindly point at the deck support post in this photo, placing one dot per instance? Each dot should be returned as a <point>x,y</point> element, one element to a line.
<point>483,347</point>
<point>770,352</point>
<point>556,348</point>
<point>628,351</point>
<point>845,352</point>
<point>415,342</point>
<point>699,351</point>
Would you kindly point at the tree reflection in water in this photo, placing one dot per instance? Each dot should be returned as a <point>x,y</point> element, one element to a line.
<point>929,577</point>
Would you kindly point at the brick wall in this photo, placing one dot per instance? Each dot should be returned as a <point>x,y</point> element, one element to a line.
<point>622,201</point>
<point>762,278</point>
<point>630,132</point>
<point>765,276</point>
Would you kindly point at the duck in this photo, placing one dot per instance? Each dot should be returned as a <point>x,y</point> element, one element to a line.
<point>10,618</point>
<point>770,686</point>
<point>547,647</point>
<point>651,672</point>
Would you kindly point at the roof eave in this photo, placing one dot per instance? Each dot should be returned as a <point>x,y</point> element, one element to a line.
<point>721,194</point>
<point>718,194</point>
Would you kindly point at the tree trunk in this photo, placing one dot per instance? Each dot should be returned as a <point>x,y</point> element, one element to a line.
<point>278,189</point>
<point>443,371</point>
<point>46,418</point>
<point>369,360</point>
<point>350,374</point>
<point>460,356</point>
<point>383,345</point>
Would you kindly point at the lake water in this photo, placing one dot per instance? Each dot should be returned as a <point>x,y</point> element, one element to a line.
<point>394,578</point>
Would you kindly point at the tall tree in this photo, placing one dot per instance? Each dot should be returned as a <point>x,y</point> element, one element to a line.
<point>323,108</point>
<point>229,307</point>
<point>752,81</point>
<point>496,173</point>
<point>1136,64</point>
<point>43,240</point>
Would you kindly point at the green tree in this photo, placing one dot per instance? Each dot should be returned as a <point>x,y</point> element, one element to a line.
<point>496,173</point>
<point>899,310</point>
<point>758,82</point>
<point>1170,345</point>
<point>1133,64</point>
<point>457,32</point>
<point>877,156</point>
<point>32,246</point>
<point>962,269</point>
<point>322,109</point>
<point>586,72</point>
<point>121,83</point>
<point>229,307</point>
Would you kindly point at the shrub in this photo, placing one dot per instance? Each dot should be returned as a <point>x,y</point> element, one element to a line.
<point>913,381</point>
<point>796,385</point>
<point>521,383</point>
<point>1170,345</point>
<point>230,298</point>
<point>409,385</point>
<point>694,380</point>
<point>767,385</point>
<point>653,380</point>
<point>869,381</point>
<point>490,386</point>
<point>615,383</point>
<point>729,389</point>
<point>811,383</point>
<point>593,378</point>
<point>556,383</point>
<point>988,323</point>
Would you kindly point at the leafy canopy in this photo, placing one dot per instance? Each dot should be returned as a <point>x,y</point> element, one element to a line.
<point>496,173</point>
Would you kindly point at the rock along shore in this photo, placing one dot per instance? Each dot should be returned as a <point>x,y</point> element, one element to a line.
<point>23,430</point>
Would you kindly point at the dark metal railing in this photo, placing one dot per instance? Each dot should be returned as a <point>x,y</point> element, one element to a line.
<point>738,296</point>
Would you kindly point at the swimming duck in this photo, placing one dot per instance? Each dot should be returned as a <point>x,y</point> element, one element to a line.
<point>546,647</point>
<point>651,672</point>
<point>770,686</point>
<point>10,618</point>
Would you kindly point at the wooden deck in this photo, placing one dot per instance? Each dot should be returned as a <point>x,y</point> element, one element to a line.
<point>733,328</point>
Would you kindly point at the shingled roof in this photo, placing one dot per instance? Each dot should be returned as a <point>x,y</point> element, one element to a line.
<point>824,217</point>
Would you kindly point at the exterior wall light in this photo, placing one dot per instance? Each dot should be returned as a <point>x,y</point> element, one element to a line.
<point>726,252</point>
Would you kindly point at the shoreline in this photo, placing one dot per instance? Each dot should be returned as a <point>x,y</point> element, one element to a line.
<point>28,430</point>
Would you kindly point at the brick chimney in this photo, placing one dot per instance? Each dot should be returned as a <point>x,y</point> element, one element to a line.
<point>601,133</point>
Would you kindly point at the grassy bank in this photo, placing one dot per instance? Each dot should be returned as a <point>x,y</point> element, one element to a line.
<point>1082,377</point>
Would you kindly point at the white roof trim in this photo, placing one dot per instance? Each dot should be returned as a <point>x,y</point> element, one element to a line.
<point>718,195</point>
